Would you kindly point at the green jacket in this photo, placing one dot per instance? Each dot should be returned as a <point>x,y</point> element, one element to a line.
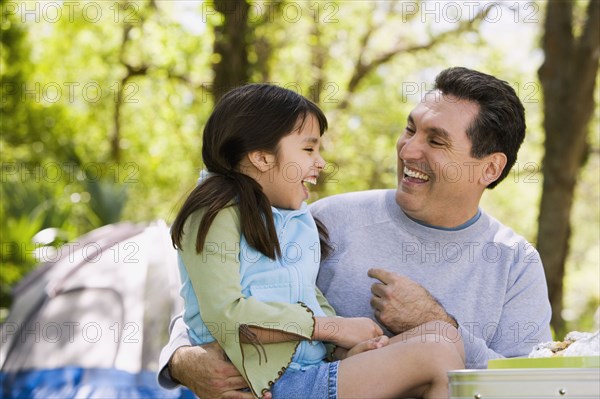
<point>215,278</point>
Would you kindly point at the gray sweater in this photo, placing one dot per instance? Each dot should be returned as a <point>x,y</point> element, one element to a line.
<point>485,275</point>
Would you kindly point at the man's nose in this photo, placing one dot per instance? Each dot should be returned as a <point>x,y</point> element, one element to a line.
<point>410,147</point>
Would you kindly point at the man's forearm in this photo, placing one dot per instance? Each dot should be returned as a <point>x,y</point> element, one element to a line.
<point>179,338</point>
<point>429,314</point>
<point>438,312</point>
<point>176,364</point>
<point>205,370</point>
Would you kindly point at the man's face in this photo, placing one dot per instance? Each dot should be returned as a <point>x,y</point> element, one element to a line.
<point>439,182</point>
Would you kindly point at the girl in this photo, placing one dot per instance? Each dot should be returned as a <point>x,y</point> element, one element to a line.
<point>249,256</point>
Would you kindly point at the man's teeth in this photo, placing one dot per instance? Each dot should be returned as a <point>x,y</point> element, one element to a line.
<point>415,174</point>
<point>311,180</point>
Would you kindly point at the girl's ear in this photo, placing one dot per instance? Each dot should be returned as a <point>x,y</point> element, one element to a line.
<point>262,160</point>
<point>494,165</point>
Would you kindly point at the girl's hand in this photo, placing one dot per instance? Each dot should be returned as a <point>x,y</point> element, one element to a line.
<point>368,345</point>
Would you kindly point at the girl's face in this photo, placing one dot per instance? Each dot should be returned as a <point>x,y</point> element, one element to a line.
<point>297,163</point>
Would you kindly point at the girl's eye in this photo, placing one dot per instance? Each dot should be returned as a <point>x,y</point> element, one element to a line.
<point>309,149</point>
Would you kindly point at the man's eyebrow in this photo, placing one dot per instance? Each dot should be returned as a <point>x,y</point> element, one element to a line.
<point>437,131</point>
<point>440,132</point>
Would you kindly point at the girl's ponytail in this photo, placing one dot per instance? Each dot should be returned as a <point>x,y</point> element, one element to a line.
<point>256,217</point>
<point>220,191</point>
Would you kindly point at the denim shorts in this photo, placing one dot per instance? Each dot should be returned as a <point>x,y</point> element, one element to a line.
<point>318,382</point>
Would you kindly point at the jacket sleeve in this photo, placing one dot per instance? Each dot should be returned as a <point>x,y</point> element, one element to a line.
<point>327,308</point>
<point>215,278</point>
<point>329,311</point>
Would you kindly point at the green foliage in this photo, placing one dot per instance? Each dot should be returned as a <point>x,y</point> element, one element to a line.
<point>159,56</point>
<point>27,209</point>
<point>107,201</point>
<point>16,256</point>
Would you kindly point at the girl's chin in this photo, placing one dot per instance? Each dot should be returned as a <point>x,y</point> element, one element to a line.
<point>305,191</point>
<point>289,207</point>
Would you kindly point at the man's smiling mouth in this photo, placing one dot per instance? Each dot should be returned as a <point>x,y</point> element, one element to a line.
<point>414,174</point>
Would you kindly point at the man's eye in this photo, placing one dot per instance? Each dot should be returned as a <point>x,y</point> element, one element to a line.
<point>410,130</point>
<point>436,142</point>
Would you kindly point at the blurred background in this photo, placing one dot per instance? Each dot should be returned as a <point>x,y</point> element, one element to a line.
<point>103,105</point>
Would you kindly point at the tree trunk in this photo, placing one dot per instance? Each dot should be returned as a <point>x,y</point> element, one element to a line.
<point>568,78</point>
<point>231,47</point>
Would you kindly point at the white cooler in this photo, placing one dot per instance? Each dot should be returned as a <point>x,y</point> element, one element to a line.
<point>525,383</point>
<point>573,377</point>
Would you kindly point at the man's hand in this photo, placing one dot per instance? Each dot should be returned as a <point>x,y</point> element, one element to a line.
<point>401,304</point>
<point>206,371</point>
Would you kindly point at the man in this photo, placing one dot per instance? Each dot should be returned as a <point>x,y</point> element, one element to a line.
<point>426,250</point>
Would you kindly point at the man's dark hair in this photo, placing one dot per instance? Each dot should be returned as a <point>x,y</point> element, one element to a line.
<point>500,124</point>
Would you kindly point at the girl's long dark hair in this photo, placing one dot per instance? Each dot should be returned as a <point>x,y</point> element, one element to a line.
<point>249,118</point>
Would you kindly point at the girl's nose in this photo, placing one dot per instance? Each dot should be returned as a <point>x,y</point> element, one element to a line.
<point>320,162</point>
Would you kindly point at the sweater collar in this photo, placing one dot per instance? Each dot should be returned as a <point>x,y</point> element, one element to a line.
<point>457,228</point>
<point>472,228</point>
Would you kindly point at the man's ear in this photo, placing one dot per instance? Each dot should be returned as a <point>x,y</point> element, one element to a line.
<point>494,165</point>
<point>262,160</point>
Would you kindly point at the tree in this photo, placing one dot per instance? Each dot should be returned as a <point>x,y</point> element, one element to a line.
<point>568,78</point>
<point>231,66</point>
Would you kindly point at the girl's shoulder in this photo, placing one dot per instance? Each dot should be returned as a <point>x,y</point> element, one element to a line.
<point>227,219</point>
